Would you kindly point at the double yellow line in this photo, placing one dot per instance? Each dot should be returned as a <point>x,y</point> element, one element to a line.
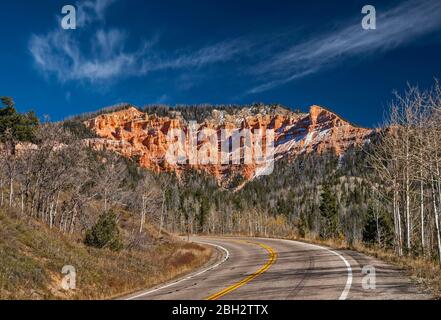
<point>271,260</point>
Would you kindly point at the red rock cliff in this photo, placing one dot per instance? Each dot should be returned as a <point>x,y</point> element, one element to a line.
<point>143,137</point>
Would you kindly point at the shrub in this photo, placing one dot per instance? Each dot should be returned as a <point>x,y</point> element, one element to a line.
<point>105,233</point>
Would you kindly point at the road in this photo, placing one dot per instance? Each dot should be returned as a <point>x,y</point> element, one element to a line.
<point>271,269</point>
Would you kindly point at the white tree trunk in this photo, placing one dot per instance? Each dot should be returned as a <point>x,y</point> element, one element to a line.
<point>161,217</point>
<point>22,204</point>
<point>11,191</point>
<point>408,222</point>
<point>435,211</point>
<point>422,216</point>
<point>141,227</point>
<point>2,195</point>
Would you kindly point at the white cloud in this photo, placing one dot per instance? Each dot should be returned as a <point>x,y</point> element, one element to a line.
<point>396,27</point>
<point>211,54</point>
<point>62,52</point>
<point>90,11</point>
<point>59,53</point>
<point>96,54</point>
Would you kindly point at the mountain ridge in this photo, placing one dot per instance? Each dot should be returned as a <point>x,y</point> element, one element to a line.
<point>142,136</point>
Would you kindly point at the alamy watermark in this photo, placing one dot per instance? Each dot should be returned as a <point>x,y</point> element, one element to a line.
<point>69,21</point>
<point>69,281</point>
<point>369,281</point>
<point>221,147</point>
<point>369,21</point>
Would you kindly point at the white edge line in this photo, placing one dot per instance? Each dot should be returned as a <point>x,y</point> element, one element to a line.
<point>227,256</point>
<point>348,285</point>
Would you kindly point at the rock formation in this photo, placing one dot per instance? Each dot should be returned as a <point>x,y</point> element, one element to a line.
<point>143,137</point>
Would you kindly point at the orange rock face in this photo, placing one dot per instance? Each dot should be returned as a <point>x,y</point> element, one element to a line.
<point>144,138</point>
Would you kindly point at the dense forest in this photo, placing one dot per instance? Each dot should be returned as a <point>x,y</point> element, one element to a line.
<point>301,198</point>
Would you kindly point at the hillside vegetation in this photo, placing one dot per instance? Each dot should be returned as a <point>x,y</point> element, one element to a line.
<point>63,204</point>
<point>193,112</point>
<point>33,257</point>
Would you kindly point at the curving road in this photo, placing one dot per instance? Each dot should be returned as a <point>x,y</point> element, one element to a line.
<point>272,269</point>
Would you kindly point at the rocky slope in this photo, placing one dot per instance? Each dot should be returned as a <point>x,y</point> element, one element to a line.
<point>143,137</point>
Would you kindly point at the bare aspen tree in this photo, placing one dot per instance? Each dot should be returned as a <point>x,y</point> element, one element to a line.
<point>164,186</point>
<point>407,162</point>
<point>147,196</point>
<point>3,155</point>
<point>109,179</point>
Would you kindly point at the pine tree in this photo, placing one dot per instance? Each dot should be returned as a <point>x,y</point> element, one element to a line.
<point>21,126</point>
<point>329,213</point>
<point>377,229</point>
<point>105,233</point>
<point>370,231</point>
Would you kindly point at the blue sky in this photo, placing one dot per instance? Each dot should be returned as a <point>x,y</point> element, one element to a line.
<point>296,53</point>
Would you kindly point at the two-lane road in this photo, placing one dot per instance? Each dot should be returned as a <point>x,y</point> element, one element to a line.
<point>272,269</point>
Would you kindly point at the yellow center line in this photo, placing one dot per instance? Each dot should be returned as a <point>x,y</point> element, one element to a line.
<point>272,259</point>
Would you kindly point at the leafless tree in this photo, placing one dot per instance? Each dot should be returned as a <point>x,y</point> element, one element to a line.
<point>407,163</point>
<point>147,197</point>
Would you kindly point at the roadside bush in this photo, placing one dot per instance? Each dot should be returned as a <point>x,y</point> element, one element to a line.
<point>105,233</point>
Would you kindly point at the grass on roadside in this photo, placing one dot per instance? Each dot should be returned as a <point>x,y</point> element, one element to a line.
<point>32,257</point>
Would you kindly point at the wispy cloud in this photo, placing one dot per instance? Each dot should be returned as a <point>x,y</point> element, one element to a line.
<point>214,53</point>
<point>59,53</point>
<point>97,53</point>
<point>63,53</point>
<point>396,27</point>
<point>90,11</point>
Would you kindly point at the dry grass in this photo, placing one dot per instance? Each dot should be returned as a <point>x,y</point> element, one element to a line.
<point>31,259</point>
<point>423,271</point>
